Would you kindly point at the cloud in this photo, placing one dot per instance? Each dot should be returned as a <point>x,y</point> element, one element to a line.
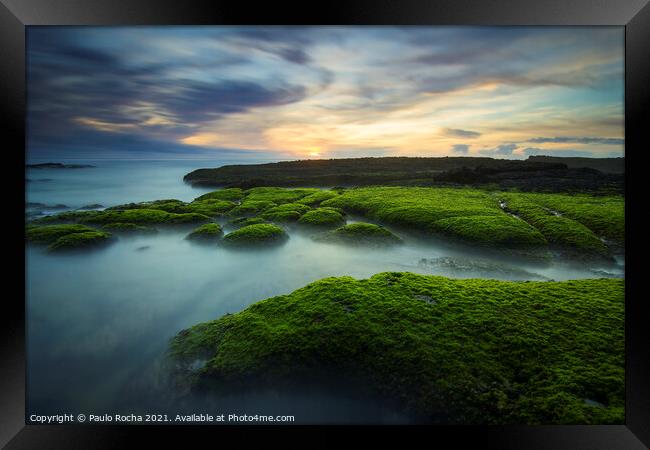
<point>352,88</point>
<point>462,133</point>
<point>460,149</point>
<point>501,150</point>
<point>578,140</point>
<point>202,101</point>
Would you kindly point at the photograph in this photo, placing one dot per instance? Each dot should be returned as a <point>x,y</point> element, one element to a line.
<point>325,225</point>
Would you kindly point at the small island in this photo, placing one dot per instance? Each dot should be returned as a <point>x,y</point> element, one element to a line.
<point>59,166</point>
<point>537,173</point>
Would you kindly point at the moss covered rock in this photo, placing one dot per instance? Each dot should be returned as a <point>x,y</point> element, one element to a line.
<point>230,194</point>
<point>245,221</point>
<point>322,217</point>
<point>148,216</point>
<point>210,207</point>
<point>121,227</point>
<point>287,212</point>
<point>360,234</point>
<point>493,231</point>
<point>278,195</point>
<point>250,208</point>
<point>317,197</point>
<point>169,205</point>
<point>66,217</point>
<point>256,236</point>
<point>136,216</point>
<point>210,232</point>
<point>84,240</point>
<point>447,350</point>
<point>47,234</point>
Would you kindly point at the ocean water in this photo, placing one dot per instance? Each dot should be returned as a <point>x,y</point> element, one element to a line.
<point>99,323</point>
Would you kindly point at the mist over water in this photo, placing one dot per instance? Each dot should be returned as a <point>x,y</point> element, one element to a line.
<point>99,322</point>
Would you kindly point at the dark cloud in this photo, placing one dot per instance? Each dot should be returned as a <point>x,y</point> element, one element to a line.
<point>460,149</point>
<point>68,79</point>
<point>578,140</point>
<point>462,133</point>
<point>288,43</point>
<point>200,102</point>
<point>516,56</point>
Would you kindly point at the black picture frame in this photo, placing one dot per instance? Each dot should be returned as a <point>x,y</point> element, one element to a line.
<point>15,15</point>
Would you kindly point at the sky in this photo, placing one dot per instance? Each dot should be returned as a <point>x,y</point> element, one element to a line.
<point>324,92</point>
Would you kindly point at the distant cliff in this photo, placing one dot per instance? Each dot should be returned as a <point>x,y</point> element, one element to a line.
<point>607,165</point>
<point>535,173</point>
<point>58,166</point>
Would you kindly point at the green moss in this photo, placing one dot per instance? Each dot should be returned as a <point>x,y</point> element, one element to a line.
<point>360,234</point>
<point>251,207</point>
<point>209,207</point>
<point>128,228</point>
<point>168,205</point>
<point>231,194</point>
<point>136,216</point>
<point>448,350</point>
<point>278,195</point>
<point>148,216</point>
<point>287,212</point>
<point>180,219</point>
<point>603,215</point>
<point>317,197</point>
<point>244,221</point>
<point>66,217</point>
<point>493,230</point>
<point>211,232</point>
<point>475,215</point>
<point>49,233</point>
<point>255,236</point>
<point>322,217</point>
<point>556,229</point>
<point>75,241</point>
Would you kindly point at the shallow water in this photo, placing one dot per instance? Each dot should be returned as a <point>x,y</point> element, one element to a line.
<point>99,322</point>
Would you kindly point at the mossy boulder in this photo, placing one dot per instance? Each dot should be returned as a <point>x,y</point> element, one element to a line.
<point>258,235</point>
<point>66,217</point>
<point>360,234</point>
<point>322,218</point>
<point>317,197</point>
<point>287,212</point>
<point>278,195</point>
<point>48,234</point>
<point>445,350</point>
<point>230,194</point>
<point>121,227</point>
<point>251,208</point>
<point>501,231</point>
<point>210,232</point>
<point>169,205</point>
<point>245,221</point>
<point>137,216</point>
<point>210,207</point>
<point>77,241</point>
<point>146,216</point>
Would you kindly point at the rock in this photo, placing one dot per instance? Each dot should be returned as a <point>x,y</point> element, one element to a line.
<point>210,232</point>
<point>259,235</point>
<point>360,234</point>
